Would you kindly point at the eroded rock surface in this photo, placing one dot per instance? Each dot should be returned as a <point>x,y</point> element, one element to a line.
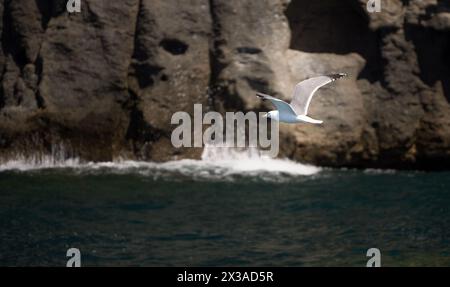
<point>105,82</point>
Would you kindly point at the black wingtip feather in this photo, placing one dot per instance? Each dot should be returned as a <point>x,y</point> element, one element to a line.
<point>337,76</point>
<point>261,96</point>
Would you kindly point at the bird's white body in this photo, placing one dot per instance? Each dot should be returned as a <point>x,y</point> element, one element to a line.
<point>291,119</point>
<point>297,110</point>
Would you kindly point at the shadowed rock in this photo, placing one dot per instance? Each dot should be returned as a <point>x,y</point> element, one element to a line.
<point>105,82</point>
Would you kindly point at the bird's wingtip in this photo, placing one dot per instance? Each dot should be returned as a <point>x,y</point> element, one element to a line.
<point>337,76</point>
<point>261,95</point>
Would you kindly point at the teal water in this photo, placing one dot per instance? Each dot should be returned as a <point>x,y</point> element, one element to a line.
<point>131,218</point>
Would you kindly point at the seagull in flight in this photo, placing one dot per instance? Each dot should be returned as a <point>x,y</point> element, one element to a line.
<point>297,111</point>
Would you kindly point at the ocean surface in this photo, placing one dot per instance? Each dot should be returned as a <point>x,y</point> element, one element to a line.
<point>233,210</point>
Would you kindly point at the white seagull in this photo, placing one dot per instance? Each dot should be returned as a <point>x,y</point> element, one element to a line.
<point>297,111</point>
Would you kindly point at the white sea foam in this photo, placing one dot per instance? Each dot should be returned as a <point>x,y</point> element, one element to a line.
<point>250,160</point>
<point>216,163</point>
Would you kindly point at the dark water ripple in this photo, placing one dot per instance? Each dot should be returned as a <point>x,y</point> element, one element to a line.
<point>134,219</point>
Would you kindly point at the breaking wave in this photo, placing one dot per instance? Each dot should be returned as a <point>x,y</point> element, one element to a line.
<point>216,163</point>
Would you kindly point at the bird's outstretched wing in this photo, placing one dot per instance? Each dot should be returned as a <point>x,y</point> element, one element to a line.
<point>304,91</point>
<point>281,105</point>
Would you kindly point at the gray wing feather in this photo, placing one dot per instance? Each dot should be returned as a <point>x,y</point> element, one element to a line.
<point>304,91</point>
<point>281,105</point>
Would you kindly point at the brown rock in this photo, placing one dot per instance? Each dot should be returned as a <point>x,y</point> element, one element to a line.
<point>105,82</point>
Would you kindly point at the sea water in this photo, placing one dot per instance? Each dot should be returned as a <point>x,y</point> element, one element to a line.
<point>232,208</point>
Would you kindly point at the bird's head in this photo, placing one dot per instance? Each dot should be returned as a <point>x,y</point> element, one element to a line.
<point>271,115</point>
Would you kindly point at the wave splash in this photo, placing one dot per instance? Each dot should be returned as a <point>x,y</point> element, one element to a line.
<point>216,163</point>
<point>250,160</point>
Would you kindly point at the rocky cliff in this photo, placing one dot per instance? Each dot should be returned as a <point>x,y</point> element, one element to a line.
<point>105,82</point>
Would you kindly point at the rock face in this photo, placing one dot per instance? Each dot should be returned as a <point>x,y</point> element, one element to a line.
<point>105,82</point>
